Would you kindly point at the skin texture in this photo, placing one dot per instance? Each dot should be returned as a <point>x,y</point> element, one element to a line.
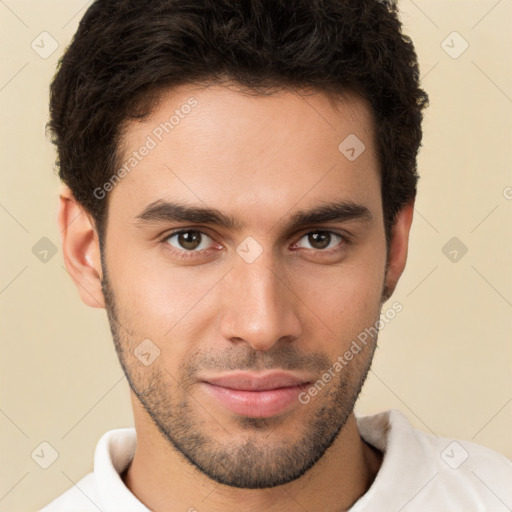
<point>296,307</point>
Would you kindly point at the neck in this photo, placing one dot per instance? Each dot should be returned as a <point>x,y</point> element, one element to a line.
<point>162,479</point>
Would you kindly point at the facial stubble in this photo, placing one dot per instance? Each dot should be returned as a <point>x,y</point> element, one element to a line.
<point>256,454</point>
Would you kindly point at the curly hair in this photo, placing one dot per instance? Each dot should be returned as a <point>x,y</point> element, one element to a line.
<point>126,51</point>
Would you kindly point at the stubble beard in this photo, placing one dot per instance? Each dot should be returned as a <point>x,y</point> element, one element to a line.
<point>255,456</point>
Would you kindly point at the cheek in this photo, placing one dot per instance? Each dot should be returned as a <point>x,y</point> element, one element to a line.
<point>159,300</point>
<point>344,300</point>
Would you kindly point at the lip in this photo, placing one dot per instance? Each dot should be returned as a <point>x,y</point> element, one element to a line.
<point>256,395</point>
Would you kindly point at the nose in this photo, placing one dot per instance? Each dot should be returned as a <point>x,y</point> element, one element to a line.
<point>259,308</point>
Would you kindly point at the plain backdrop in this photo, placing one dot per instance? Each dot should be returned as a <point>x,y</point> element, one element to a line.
<point>445,360</point>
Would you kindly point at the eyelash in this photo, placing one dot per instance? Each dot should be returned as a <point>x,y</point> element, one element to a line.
<point>193,254</point>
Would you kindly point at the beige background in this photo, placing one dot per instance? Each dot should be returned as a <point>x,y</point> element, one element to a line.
<point>445,360</point>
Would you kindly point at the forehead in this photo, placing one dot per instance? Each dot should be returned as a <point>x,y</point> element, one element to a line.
<point>221,147</point>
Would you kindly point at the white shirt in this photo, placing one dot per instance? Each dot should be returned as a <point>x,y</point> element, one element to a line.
<point>419,472</point>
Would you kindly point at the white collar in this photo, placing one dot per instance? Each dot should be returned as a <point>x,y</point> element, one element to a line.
<point>389,431</point>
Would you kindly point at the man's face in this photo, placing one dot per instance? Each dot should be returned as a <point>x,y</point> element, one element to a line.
<point>233,312</point>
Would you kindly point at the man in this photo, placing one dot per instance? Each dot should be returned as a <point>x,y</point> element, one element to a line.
<point>239,181</point>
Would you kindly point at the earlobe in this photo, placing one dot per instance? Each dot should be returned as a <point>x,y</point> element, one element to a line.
<point>398,248</point>
<point>80,247</point>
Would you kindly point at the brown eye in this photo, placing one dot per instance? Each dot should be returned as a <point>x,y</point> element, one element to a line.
<point>190,240</point>
<point>321,240</point>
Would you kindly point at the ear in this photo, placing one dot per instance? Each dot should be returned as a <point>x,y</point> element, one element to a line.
<point>80,247</point>
<point>398,247</point>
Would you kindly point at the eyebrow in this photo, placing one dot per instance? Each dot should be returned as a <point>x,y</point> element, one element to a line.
<point>161,211</point>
